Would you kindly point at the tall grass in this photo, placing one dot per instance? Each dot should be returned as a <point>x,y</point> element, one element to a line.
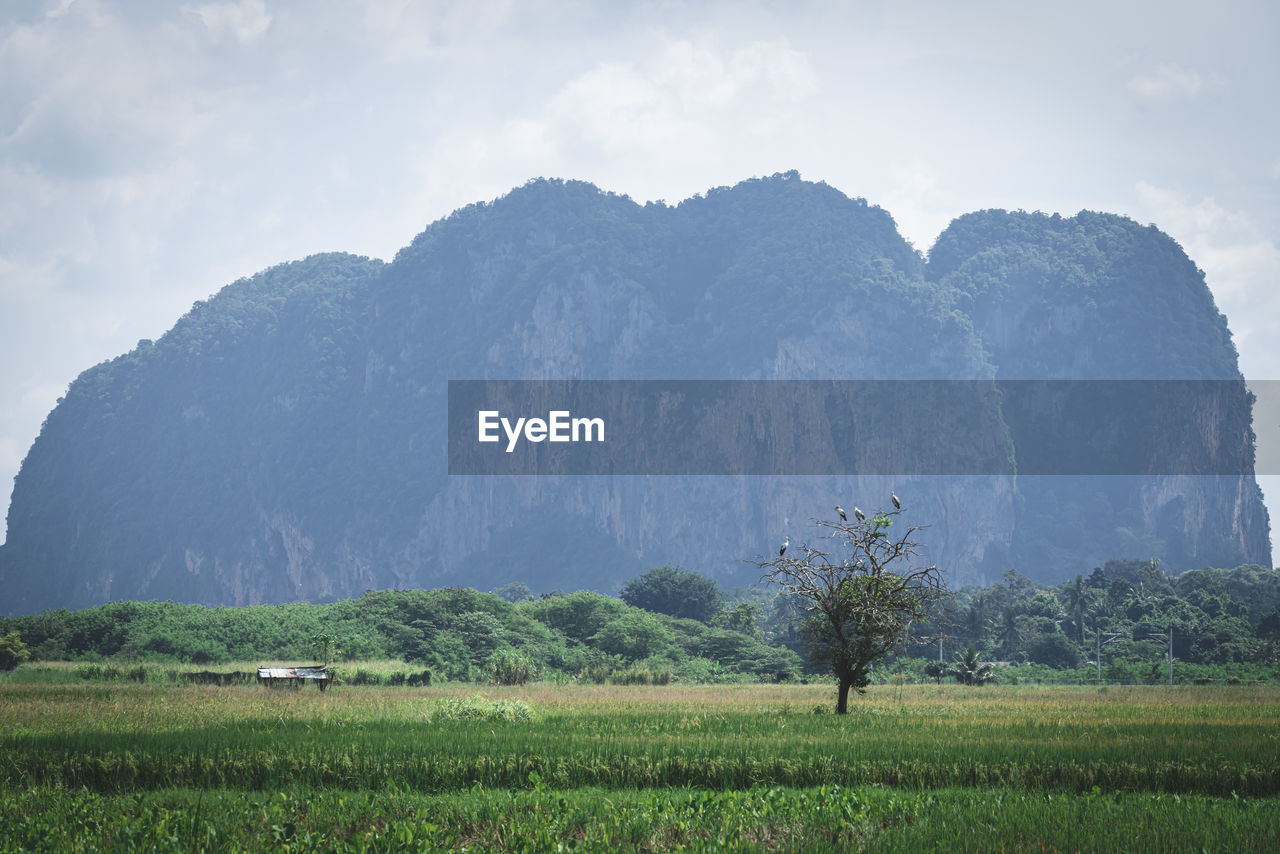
<point>829,818</point>
<point>118,738</point>
<point>88,765</point>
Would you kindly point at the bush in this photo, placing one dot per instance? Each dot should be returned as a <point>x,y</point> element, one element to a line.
<point>366,677</point>
<point>594,673</point>
<point>12,651</point>
<point>508,667</point>
<point>701,671</point>
<point>1123,672</point>
<point>478,708</point>
<point>1056,650</point>
<point>640,676</point>
<point>630,676</point>
<point>676,592</point>
<point>89,671</point>
<point>578,616</point>
<point>633,636</point>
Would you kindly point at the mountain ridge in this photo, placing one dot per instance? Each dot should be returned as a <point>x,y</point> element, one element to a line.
<point>284,439</point>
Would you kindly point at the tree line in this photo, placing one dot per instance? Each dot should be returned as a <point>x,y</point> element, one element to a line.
<point>456,633</point>
<point>680,624</point>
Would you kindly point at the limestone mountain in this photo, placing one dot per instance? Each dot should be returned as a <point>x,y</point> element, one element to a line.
<point>286,439</point>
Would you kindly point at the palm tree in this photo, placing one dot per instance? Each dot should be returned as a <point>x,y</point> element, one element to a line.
<point>1008,632</point>
<point>968,670</point>
<point>975,618</point>
<point>1138,598</point>
<point>1075,596</point>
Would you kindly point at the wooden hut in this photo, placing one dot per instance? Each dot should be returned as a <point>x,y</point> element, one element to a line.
<point>293,677</point>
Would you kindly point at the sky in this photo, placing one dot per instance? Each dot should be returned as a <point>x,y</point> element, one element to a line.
<point>152,152</point>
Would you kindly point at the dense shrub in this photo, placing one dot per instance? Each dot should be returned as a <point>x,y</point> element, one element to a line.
<point>633,635</point>
<point>366,677</point>
<point>675,592</point>
<point>12,651</point>
<point>478,708</point>
<point>640,676</point>
<point>508,667</point>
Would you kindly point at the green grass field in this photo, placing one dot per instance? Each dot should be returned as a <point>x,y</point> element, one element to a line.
<point>127,766</point>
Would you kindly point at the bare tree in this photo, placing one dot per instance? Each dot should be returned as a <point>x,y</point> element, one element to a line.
<point>859,594</point>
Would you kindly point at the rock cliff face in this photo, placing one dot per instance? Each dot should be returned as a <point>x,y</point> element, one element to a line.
<point>286,440</point>
<point>1099,297</point>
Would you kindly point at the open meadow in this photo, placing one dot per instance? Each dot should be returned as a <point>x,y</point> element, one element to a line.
<point>129,766</point>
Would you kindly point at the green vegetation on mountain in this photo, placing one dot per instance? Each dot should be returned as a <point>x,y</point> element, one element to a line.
<point>1094,296</point>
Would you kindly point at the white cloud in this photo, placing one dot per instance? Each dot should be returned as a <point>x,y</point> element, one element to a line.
<point>1169,81</point>
<point>246,21</point>
<point>1241,261</point>
<point>917,202</point>
<point>685,95</point>
<point>619,108</point>
<point>529,141</point>
<point>697,77</point>
<point>59,10</point>
<point>88,96</point>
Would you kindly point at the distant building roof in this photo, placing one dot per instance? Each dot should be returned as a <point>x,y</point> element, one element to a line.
<point>292,673</point>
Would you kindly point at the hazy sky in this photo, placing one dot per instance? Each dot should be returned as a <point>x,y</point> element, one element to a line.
<point>152,152</point>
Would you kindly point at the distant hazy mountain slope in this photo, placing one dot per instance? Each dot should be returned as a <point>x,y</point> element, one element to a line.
<point>1097,296</point>
<point>184,469</point>
<point>286,439</point>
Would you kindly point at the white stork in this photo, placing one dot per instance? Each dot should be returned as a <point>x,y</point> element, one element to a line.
<point>840,510</point>
<point>783,550</point>
<point>857,511</point>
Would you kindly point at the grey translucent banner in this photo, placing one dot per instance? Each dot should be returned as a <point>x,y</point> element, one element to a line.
<point>851,427</point>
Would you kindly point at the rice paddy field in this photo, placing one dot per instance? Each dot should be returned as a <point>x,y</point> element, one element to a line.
<point>172,767</point>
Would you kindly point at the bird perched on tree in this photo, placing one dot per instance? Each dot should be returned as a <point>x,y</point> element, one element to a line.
<point>783,550</point>
<point>858,512</point>
<point>897,505</point>
<point>840,510</point>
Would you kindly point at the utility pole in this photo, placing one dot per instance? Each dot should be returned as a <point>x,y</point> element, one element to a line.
<point>1111,636</point>
<point>1170,653</point>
